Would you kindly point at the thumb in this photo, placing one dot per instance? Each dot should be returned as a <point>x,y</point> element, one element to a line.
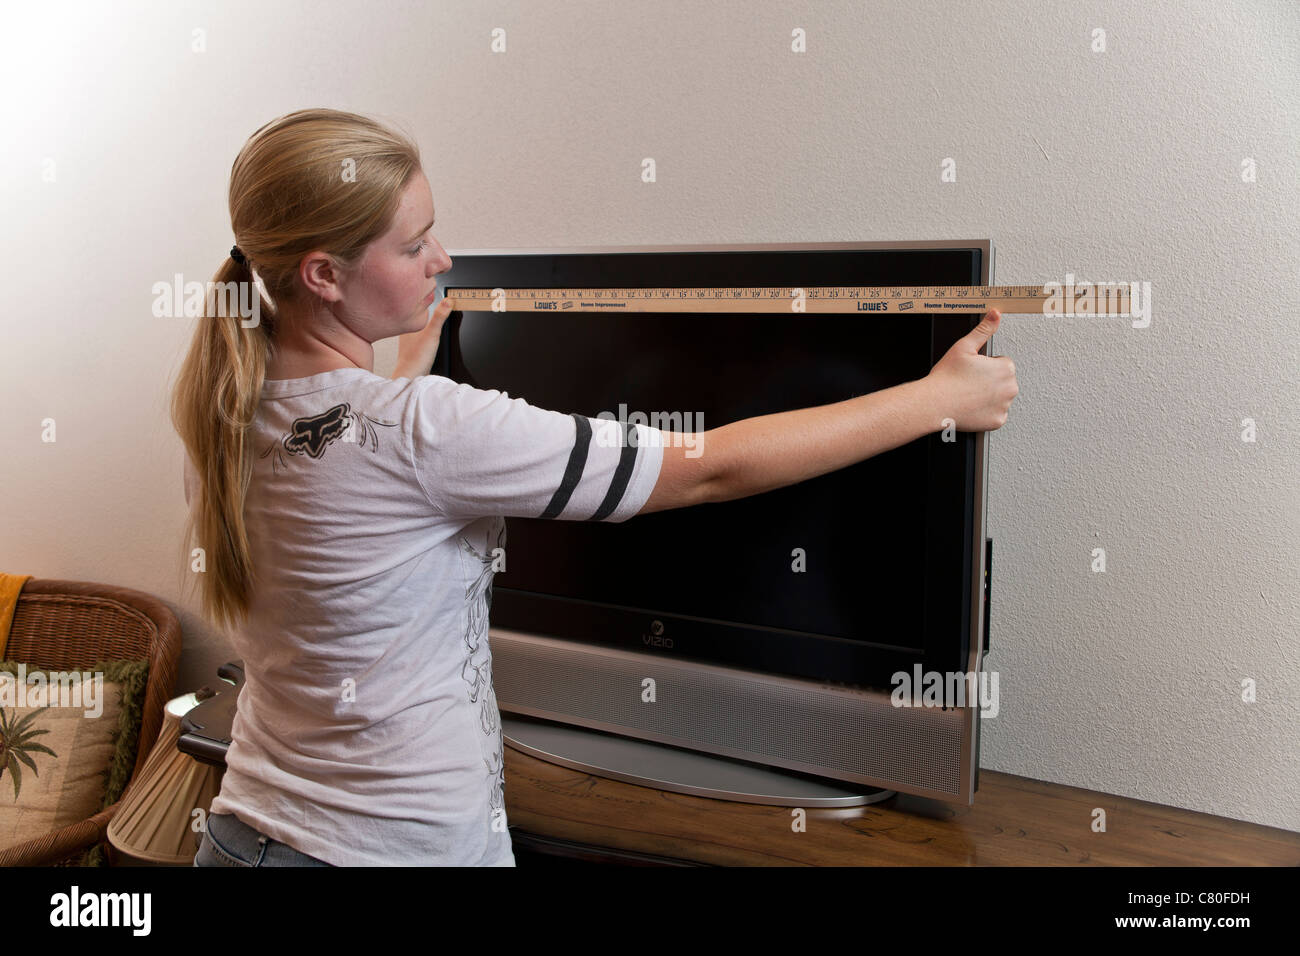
<point>977,336</point>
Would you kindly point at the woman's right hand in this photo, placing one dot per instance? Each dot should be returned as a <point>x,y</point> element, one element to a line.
<point>974,390</point>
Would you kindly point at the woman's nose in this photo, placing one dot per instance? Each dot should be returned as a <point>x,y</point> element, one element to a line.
<point>442,260</point>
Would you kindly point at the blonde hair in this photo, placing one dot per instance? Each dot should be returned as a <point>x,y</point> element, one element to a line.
<point>313,180</point>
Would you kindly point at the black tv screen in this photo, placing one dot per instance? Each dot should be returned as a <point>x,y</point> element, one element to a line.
<point>884,546</point>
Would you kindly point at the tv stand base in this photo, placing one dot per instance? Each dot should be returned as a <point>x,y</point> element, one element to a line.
<point>650,764</point>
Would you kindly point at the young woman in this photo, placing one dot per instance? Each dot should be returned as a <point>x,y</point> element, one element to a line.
<point>348,522</point>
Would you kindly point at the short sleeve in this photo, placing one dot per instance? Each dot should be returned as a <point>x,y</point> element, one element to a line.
<point>479,453</point>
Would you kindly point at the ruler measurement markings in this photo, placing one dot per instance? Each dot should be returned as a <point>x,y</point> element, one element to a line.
<point>1108,300</point>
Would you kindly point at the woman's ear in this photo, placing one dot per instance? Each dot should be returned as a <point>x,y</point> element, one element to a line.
<point>321,276</point>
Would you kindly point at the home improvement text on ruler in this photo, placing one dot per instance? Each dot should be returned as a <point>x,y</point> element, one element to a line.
<point>1109,299</point>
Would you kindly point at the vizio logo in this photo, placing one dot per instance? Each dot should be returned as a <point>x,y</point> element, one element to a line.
<point>656,636</point>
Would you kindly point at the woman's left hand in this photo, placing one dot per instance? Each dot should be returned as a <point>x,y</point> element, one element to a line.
<point>416,350</point>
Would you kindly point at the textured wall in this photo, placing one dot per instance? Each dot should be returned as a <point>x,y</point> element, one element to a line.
<point>1125,164</point>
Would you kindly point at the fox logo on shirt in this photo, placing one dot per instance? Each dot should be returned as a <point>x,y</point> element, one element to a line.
<point>312,435</point>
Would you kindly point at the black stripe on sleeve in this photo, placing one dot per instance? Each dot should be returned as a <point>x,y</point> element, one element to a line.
<point>573,470</point>
<point>622,474</point>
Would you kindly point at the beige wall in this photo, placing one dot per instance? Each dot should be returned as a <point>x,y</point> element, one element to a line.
<point>1116,165</point>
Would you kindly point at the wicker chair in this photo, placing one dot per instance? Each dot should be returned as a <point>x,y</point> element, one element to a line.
<point>70,625</point>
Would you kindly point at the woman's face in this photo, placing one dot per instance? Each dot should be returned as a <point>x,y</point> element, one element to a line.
<point>389,293</point>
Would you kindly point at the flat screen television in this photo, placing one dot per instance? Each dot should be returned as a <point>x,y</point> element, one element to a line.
<point>833,585</point>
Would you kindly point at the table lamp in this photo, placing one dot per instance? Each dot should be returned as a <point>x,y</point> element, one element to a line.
<point>154,825</point>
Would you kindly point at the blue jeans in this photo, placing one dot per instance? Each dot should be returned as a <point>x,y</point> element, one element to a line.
<point>228,841</point>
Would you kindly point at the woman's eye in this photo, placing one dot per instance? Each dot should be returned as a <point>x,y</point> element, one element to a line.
<point>416,250</point>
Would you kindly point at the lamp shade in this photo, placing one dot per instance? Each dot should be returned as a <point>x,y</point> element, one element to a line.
<point>155,821</point>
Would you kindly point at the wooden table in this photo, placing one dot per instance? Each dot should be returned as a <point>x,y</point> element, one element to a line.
<point>558,813</point>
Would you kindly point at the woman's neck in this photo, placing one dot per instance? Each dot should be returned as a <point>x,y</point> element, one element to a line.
<point>302,366</point>
<point>303,347</point>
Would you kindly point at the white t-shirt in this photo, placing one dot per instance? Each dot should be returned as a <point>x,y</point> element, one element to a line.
<point>367,730</point>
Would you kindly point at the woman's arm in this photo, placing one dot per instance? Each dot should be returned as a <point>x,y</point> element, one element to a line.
<point>771,451</point>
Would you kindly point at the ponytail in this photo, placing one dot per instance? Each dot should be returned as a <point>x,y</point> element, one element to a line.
<point>213,407</point>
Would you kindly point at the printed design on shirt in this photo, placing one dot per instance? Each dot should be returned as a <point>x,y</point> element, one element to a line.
<point>477,669</point>
<point>312,434</point>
